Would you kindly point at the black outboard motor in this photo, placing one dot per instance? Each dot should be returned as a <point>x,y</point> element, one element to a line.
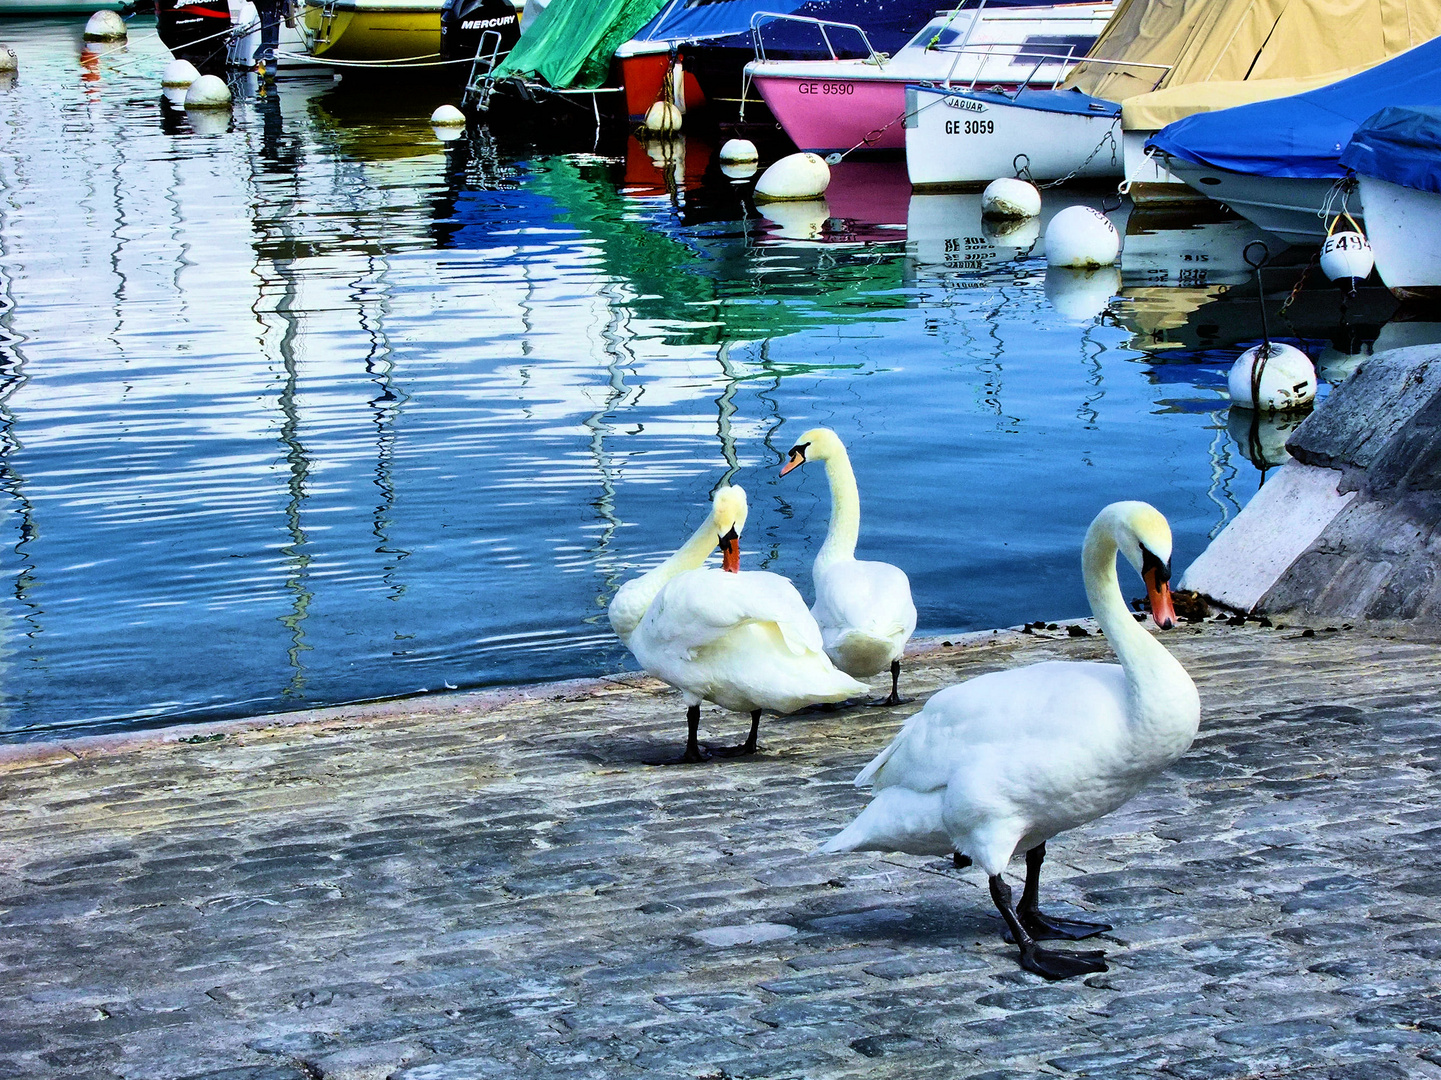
<point>463,22</point>
<point>196,30</point>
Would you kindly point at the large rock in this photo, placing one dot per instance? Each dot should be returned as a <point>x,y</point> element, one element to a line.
<point>1351,529</point>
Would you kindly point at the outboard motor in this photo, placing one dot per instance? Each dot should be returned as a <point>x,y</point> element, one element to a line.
<point>462,22</point>
<point>196,30</point>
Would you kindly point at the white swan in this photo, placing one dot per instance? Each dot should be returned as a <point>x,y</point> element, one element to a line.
<point>1007,760</point>
<point>742,640</point>
<point>864,609</point>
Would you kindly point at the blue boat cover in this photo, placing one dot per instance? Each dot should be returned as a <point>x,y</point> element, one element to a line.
<point>1304,135</point>
<point>1399,144</point>
<point>888,24</point>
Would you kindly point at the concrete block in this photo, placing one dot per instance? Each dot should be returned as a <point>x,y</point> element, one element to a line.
<point>1280,522</point>
<point>1361,415</point>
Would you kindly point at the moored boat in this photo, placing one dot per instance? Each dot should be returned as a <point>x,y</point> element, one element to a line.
<point>1161,60</point>
<point>711,43</point>
<point>1279,162</point>
<point>373,31</point>
<point>839,104</point>
<point>1397,156</point>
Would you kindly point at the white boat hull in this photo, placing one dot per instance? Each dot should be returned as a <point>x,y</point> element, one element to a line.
<point>1288,207</point>
<point>1404,227</point>
<point>957,140</point>
<point>838,105</point>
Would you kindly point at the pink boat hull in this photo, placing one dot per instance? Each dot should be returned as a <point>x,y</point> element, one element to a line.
<point>823,115</point>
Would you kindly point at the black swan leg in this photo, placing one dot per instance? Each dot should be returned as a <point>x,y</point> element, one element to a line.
<point>694,754</point>
<point>747,747</point>
<point>1043,927</point>
<point>1044,962</point>
<point>895,698</point>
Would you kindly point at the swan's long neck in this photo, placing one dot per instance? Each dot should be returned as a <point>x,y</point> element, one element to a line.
<point>845,511</point>
<point>1149,668</point>
<point>692,554</point>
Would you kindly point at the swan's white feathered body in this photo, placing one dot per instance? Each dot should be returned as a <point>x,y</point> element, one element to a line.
<point>864,609</point>
<point>742,640</point>
<point>865,613</point>
<point>1007,760</point>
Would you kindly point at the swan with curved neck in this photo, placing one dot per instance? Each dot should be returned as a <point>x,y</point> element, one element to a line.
<point>864,608</point>
<point>741,639</point>
<point>1007,760</point>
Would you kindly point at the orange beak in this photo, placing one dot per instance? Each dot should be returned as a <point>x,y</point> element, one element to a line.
<point>796,460</point>
<point>730,545</point>
<point>1159,594</point>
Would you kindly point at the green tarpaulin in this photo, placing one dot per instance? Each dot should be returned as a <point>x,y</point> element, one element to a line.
<point>571,42</point>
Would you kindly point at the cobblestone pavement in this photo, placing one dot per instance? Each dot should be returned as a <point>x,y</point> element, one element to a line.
<point>486,888</point>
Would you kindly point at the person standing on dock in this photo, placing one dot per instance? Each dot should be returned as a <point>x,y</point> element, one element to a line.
<point>271,12</point>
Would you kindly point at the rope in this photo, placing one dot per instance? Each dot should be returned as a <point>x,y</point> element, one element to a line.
<point>405,61</point>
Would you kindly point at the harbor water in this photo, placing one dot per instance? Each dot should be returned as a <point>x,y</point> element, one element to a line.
<point>302,405</point>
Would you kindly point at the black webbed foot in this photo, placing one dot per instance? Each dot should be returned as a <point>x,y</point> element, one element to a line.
<point>1043,927</point>
<point>694,754</point>
<point>744,749</point>
<point>890,701</point>
<point>1062,965</point>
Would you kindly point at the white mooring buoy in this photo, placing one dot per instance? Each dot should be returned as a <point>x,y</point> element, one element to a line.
<point>662,118</point>
<point>208,92</point>
<point>9,62</point>
<point>739,152</point>
<point>1346,259</point>
<point>179,73</point>
<point>447,116</point>
<point>1081,238</point>
<point>797,176</point>
<point>105,26</point>
<point>1286,379</point>
<point>1009,197</point>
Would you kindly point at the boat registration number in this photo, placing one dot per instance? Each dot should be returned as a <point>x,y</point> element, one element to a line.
<point>970,127</point>
<point>826,88</point>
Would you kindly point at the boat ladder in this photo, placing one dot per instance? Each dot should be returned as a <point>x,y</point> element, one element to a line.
<point>327,20</point>
<point>481,82</point>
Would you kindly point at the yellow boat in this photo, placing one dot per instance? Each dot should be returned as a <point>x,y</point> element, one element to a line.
<point>370,31</point>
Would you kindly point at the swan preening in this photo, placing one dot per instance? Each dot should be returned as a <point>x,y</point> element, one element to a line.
<point>1007,760</point>
<point>743,640</point>
<point>864,609</point>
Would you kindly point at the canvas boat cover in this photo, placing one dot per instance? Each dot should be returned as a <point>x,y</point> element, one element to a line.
<point>571,42</point>
<point>1216,54</point>
<point>1401,144</point>
<point>1303,136</point>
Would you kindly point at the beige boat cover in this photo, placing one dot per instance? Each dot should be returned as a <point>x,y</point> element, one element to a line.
<point>1213,54</point>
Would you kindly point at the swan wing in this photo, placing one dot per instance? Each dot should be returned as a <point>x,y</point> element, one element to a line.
<point>870,597</point>
<point>627,608</point>
<point>700,607</point>
<point>1056,709</point>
